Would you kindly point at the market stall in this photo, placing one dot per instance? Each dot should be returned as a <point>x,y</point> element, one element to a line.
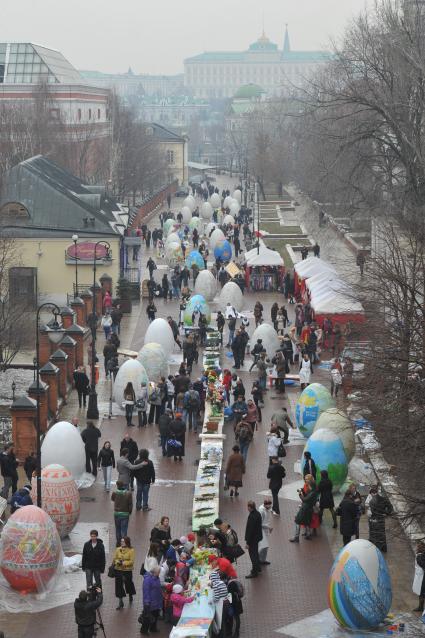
<point>264,269</point>
<point>339,307</point>
<point>308,268</point>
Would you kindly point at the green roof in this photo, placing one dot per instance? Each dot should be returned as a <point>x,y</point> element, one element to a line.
<point>211,56</point>
<point>240,108</point>
<point>248,91</point>
<point>306,56</point>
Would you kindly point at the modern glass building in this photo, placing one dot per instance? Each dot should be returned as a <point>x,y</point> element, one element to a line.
<point>26,63</point>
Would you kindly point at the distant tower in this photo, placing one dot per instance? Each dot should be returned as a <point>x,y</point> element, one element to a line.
<point>286,45</point>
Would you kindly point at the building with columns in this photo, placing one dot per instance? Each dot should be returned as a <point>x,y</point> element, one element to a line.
<point>219,74</point>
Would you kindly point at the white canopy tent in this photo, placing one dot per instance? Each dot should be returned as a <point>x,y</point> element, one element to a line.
<point>336,304</point>
<point>312,266</point>
<point>263,257</point>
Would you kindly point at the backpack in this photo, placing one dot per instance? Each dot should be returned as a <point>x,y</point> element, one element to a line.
<point>193,399</point>
<point>240,590</point>
<point>244,434</point>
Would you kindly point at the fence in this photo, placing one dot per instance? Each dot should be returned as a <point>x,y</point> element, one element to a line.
<point>152,202</point>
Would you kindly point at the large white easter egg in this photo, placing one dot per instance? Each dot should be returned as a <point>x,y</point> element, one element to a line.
<point>63,444</point>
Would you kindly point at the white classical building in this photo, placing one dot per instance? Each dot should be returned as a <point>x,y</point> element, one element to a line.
<point>219,74</point>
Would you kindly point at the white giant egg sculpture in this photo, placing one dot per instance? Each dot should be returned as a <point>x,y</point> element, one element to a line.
<point>186,214</point>
<point>216,236</point>
<point>237,194</point>
<point>160,332</point>
<point>190,203</point>
<point>174,252</point>
<point>228,220</point>
<point>206,210</point>
<point>63,444</point>
<point>215,200</point>
<point>231,293</point>
<point>131,371</point>
<point>154,360</point>
<point>210,227</point>
<point>172,237</point>
<point>206,285</point>
<point>227,201</point>
<point>235,208</point>
<point>268,334</point>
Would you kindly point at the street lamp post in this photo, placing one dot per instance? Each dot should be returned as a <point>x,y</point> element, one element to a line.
<point>55,333</point>
<point>75,239</point>
<point>92,409</point>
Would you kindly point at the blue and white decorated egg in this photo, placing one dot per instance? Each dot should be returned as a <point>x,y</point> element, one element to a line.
<point>314,400</point>
<point>328,454</point>
<point>359,587</point>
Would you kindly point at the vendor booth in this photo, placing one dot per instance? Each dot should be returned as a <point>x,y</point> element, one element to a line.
<point>339,307</point>
<point>308,268</point>
<point>264,269</point>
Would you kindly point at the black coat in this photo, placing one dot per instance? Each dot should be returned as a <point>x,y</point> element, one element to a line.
<point>85,611</point>
<point>325,490</point>
<point>276,474</point>
<point>309,468</point>
<point>81,381</point>
<point>94,557</point>
<point>348,511</point>
<point>254,529</point>
<point>178,430</point>
<point>132,448</point>
<point>145,474</point>
<point>9,464</point>
<point>106,457</point>
<point>91,436</point>
<point>164,424</point>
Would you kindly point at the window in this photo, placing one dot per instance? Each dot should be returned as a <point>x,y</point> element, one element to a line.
<point>170,157</point>
<point>89,114</point>
<point>2,67</point>
<point>98,114</point>
<point>79,115</point>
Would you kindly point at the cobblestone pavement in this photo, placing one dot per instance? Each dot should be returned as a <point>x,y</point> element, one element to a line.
<point>291,588</point>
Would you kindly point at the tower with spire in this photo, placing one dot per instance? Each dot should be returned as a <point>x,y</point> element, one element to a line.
<point>286,44</point>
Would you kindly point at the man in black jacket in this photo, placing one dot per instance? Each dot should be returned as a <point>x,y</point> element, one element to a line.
<point>93,562</point>
<point>238,348</point>
<point>9,470</point>
<point>91,436</point>
<point>164,429</point>
<point>85,613</point>
<point>145,476</point>
<point>133,450</point>
<point>348,511</point>
<point>276,474</point>
<point>253,535</point>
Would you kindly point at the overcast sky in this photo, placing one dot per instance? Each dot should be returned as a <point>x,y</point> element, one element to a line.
<point>154,36</point>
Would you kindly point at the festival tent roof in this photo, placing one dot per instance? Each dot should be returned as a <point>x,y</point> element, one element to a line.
<point>320,277</point>
<point>329,288</point>
<point>312,266</point>
<point>336,303</point>
<point>263,257</point>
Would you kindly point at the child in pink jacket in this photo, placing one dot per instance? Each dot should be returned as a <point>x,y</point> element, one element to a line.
<point>179,600</point>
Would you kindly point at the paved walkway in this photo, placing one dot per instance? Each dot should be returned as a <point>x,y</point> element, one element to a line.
<point>292,588</point>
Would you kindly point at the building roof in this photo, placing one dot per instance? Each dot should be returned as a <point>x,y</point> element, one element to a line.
<point>263,46</point>
<point>27,63</point>
<point>164,134</point>
<point>249,91</point>
<point>54,203</point>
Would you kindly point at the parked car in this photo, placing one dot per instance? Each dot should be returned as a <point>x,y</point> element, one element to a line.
<point>183,191</point>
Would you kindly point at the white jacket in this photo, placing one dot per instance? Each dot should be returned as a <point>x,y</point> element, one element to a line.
<point>273,444</point>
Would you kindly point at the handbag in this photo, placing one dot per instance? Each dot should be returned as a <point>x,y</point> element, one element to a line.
<point>235,551</point>
<point>281,452</point>
<point>261,404</point>
<point>111,571</point>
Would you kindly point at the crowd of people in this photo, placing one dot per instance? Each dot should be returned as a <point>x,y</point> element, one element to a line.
<point>175,405</point>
